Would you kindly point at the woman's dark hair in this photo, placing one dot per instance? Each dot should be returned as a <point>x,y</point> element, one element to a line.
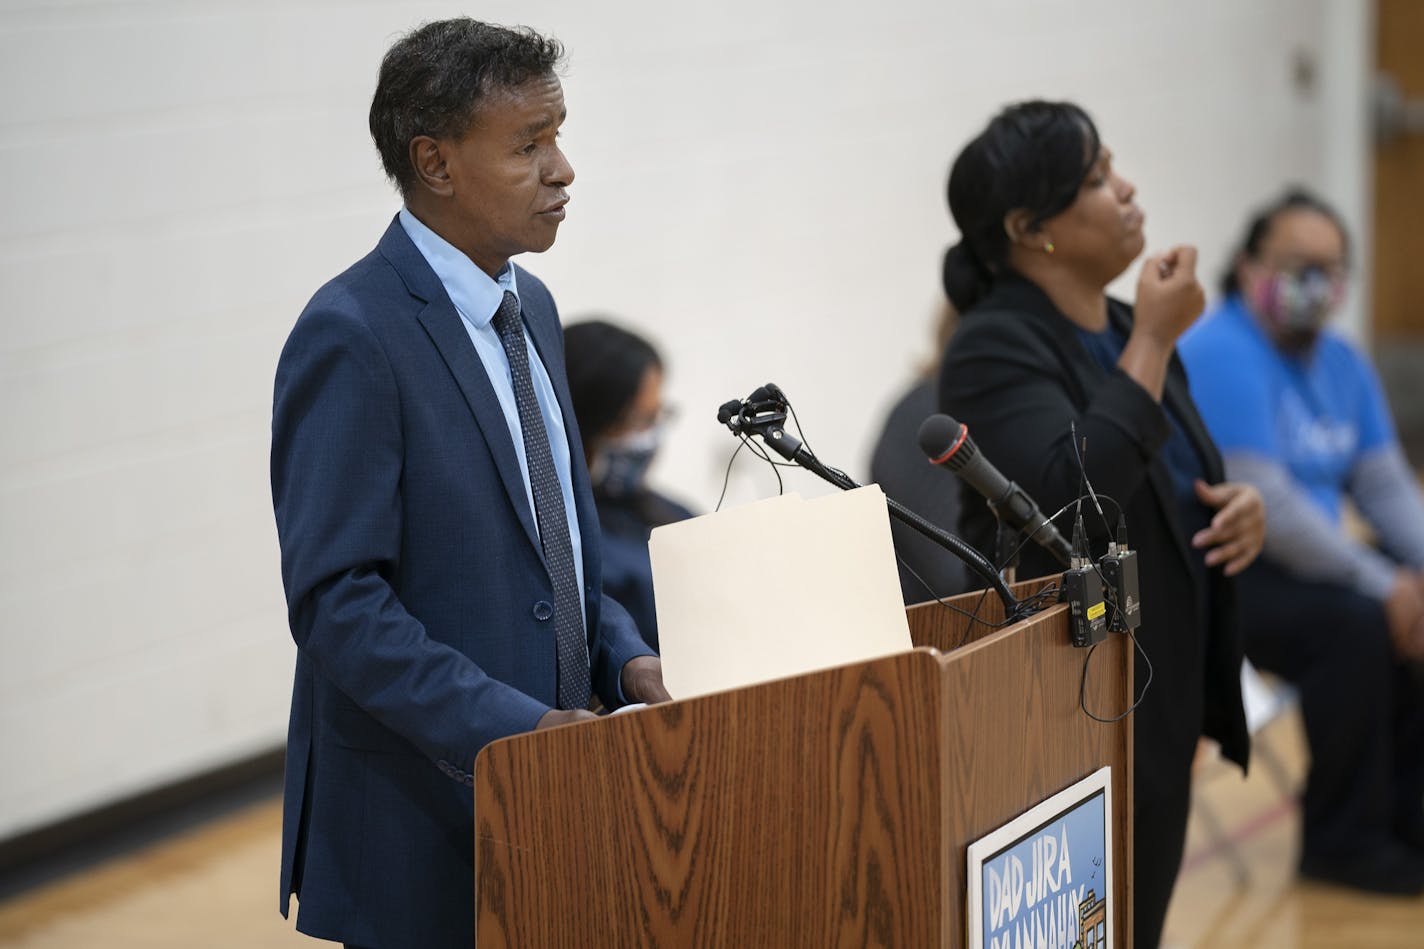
<point>1295,199</point>
<point>433,78</point>
<point>1033,156</point>
<point>605,365</point>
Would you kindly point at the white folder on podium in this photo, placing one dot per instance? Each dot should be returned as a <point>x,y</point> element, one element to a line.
<point>776,588</point>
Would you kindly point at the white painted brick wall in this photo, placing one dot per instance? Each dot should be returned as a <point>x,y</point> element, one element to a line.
<point>760,187</point>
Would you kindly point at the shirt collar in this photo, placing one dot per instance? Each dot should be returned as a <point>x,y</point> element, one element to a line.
<point>474,294</point>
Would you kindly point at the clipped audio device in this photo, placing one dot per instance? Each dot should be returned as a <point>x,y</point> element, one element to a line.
<point>1119,569</point>
<point>1083,592</point>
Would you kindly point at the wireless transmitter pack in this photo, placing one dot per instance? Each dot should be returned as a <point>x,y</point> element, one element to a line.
<point>1119,569</point>
<point>1083,592</point>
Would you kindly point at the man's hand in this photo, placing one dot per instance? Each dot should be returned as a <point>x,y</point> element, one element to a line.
<point>642,680</point>
<point>555,717</point>
<point>1238,528</point>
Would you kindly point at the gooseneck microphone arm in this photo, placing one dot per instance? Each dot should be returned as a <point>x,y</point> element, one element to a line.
<point>764,414</point>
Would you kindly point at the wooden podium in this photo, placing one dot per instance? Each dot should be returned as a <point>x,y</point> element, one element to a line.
<point>828,809</point>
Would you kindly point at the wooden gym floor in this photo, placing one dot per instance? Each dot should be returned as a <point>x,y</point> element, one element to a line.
<point>215,886</point>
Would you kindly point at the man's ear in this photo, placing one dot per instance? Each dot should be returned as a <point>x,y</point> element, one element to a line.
<point>427,157</point>
<point>1020,229</point>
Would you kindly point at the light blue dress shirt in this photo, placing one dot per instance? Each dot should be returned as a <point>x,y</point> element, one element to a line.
<point>477,298</point>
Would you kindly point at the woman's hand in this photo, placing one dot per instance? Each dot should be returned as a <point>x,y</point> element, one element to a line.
<point>1169,299</point>
<point>1169,296</point>
<point>1237,530</point>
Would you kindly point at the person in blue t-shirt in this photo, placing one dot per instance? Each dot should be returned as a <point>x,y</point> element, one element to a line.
<point>1298,412</point>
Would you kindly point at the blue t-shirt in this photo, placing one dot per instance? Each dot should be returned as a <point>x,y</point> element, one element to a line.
<point>1315,413</point>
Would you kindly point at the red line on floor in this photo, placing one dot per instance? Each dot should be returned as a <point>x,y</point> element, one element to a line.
<point>1241,834</point>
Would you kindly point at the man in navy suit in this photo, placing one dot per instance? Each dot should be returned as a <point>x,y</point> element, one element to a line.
<point>438,532</point>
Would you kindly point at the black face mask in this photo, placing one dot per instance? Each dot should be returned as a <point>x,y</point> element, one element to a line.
<point>620,468</point>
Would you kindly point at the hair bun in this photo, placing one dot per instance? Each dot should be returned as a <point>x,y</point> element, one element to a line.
<point>966,279</point>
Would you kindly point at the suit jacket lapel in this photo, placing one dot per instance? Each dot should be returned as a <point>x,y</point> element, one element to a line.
<point>446,330</point>
<point>1177,399</point>
<point>1177,396</point>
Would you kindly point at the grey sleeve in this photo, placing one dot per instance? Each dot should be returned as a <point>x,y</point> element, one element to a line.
<point>1387,494</point>
<point>1301,539</point>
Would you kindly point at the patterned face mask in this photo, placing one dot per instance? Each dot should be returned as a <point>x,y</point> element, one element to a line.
<point>1298,303</point>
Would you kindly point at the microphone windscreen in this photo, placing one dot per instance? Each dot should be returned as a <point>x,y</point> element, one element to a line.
<point>727,410</point>
<point>760,394</point>
<point>938,435</point>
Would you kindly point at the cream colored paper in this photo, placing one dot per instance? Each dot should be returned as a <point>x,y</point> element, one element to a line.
<point>776,588</point>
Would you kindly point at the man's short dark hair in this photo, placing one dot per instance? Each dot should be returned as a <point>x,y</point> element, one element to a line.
<point>434,78</point>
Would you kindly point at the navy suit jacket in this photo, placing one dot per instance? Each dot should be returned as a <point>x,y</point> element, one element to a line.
<point>417,595</point>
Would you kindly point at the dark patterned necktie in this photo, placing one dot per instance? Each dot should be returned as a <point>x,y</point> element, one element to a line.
<point>570,642</point>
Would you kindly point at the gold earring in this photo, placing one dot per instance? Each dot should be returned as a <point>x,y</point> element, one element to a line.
<point>1048,247</point>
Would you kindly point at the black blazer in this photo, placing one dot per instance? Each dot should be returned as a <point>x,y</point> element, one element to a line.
<point>1016,374</point>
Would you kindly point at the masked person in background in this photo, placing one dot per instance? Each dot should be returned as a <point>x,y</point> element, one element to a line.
<point>1299,412</point>
<point>616,380</point>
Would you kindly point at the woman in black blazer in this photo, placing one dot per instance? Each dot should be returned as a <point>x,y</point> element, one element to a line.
<point>1046,225</point>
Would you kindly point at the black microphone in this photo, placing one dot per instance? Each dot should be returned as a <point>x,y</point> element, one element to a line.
<point>729,410</point>
<point>947,443</point>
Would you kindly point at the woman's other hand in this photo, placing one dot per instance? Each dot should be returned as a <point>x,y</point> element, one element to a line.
<point>1237,530</point>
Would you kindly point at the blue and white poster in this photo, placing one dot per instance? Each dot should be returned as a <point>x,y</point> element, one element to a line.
<point>1044,880</point>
